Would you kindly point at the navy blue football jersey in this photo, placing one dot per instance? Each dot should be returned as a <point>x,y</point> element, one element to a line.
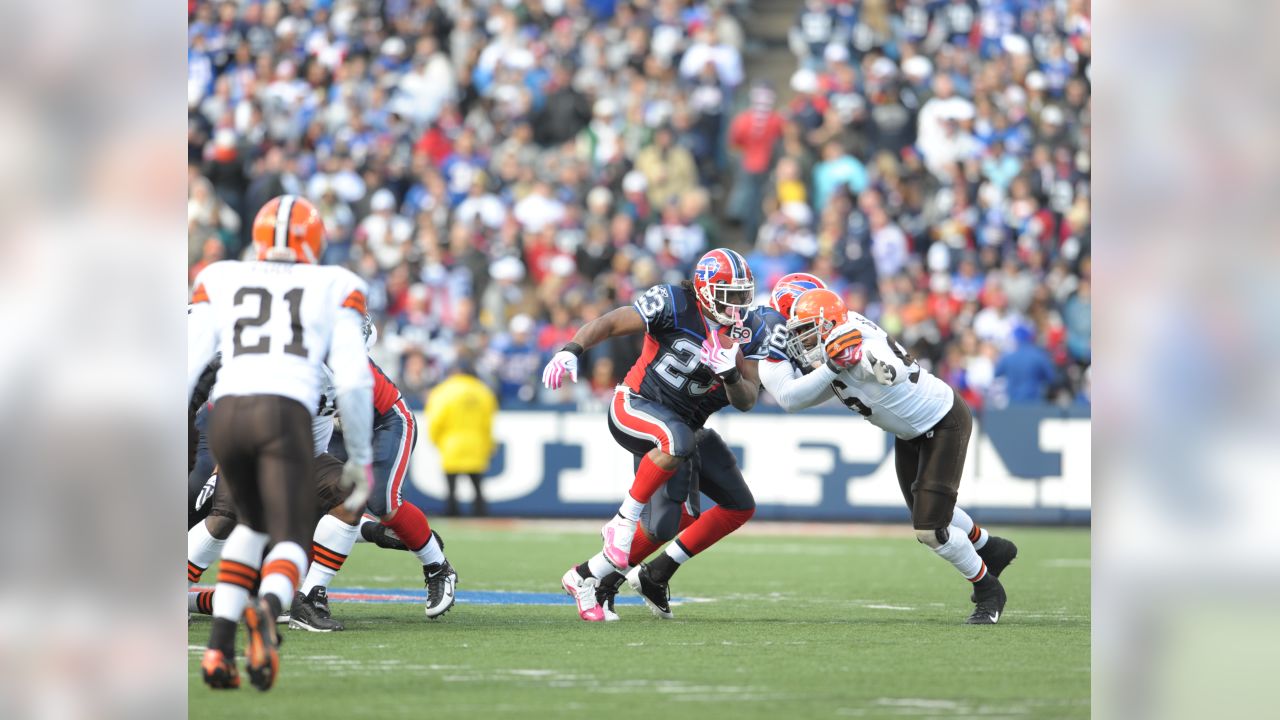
<point>669,371</point>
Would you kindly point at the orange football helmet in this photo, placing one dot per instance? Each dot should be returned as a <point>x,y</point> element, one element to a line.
<point>288,228</point>
<point>813,316</point>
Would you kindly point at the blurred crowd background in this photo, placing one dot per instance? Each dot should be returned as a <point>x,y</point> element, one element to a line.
<point>501,172</point>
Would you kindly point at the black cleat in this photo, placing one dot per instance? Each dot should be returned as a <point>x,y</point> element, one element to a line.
<point>607,592</point>
<point>997,553</point>
<point>441,581</point>
<point>381,535</point>
<point>990,605</point>
<point>656,595</point>
<point>311,612</point>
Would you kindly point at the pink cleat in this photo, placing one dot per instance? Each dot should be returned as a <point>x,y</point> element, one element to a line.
<point>617,534</point>
<point>583,591</point>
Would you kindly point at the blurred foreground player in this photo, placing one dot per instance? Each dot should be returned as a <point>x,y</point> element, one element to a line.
<point>275,322</point>
<point>832,352</point>
<point>687,370</point>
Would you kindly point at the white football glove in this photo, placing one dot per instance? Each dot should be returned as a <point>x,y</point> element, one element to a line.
<point>716,356</point>
<point>884,372</point>
<point>359,478</point>
<point>561,363</point>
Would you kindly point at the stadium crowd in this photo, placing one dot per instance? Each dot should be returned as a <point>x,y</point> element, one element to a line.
<point>501,172</point>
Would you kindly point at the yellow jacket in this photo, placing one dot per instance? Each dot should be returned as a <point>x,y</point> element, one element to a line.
<point>460,414</point>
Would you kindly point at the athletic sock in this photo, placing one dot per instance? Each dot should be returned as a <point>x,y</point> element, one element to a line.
<point>665,565</point>
<point>282,572</point>
<point>431,553</point>
<point>200,601</point>
<point>649,477</point>
<point>599,566</point>
<point>976,534</point>
<point>222,636</point>
<point>958,551</point>
<point>631,508</point>
<point>984,584</point>
<point>711,526</point>
<point>330,547</point>
<point>410,525</point>
<point>678,552</point>
<point>202,550</point>
<point>237,577</point>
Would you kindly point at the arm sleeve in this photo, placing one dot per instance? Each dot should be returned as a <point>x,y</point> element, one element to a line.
<point>202,341</point>
<point>353,382</point>
<point>796,393</point>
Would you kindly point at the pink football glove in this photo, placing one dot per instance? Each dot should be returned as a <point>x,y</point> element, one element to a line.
<point>716,356</point>
<point>561,363</point>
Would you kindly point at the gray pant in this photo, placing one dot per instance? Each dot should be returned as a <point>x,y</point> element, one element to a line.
<point>711,469</point>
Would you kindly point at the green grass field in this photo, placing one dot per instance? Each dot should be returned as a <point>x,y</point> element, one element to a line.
<point>797,626</point>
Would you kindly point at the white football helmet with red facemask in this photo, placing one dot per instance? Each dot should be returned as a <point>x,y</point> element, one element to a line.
<point>724,285</point>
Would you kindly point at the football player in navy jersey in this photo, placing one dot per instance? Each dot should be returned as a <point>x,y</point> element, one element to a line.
<point>701,346</point>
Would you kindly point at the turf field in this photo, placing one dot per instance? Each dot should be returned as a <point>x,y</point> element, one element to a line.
<point>802,624</point>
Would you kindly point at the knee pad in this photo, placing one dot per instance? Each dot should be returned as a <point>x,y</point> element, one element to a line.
<point>933,538</point>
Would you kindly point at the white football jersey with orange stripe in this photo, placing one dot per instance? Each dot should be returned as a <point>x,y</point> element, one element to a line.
<point>275,323</point>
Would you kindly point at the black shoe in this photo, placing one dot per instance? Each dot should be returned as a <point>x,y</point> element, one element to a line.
<point>607,592</point>
<point>381,535</point>
<point>997,553</point>
<point>441,580</point>
<point>311,612</point>
<point>990,604</point>
<point>656,595</point>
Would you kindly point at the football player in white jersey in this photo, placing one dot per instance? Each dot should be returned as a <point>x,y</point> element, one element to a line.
<point>275,322</point>
<point>841,354</point>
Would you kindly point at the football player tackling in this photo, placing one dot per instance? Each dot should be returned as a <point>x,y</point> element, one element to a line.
<point>687,370</point>
<point>834,352</point>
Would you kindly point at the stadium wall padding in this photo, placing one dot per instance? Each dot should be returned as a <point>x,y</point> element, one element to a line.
<point>1028,464</point>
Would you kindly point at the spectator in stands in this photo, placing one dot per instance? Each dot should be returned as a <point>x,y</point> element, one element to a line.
<point>475,163</point>
<point>1028,370</point>
<point>754,133</point>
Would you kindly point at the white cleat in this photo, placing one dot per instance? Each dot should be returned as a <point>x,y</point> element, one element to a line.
<point>618,534</point>
<point>583,591</point>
